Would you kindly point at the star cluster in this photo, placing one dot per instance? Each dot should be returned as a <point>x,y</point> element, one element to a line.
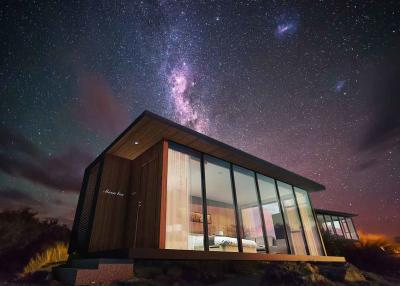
<point>311,87</point>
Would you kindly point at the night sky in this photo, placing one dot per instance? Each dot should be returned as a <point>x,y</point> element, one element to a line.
<point>311,86</point>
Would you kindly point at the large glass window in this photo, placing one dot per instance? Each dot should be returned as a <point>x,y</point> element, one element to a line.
<point>290,226</point>
<point>249,211</point>
<point>329,224</point>
<point>336,225</point>
<point>275,228</point>
<point>292,219</point>
<point>184,216</point>
<point>309,224</point>
<point>321,222</point>
<point>345,228</point>
<point>352,229</point>
<point>220,207</point>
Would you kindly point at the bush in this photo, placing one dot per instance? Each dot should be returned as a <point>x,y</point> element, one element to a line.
<point>373,253</point>
<point>23,235</point>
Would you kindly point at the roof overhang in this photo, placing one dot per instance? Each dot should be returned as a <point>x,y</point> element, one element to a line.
<point>334,213</point>
<point>150,128</point>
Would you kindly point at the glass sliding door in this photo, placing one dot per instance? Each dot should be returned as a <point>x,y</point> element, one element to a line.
<point>221,217</point>
<point>292,219</point>
<point>309,223</point>
<point>275,228</point>
<point>184,213</point>
<point>249,211</point>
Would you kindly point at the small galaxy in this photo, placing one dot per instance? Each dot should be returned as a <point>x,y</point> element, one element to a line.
<point>313,87</point>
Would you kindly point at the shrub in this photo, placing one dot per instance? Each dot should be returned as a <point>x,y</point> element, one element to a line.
<point>53,254</point>
<point>23,235</point>
<point>373,253</point>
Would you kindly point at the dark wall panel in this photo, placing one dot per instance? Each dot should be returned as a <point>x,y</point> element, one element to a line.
<point>110,213</point>
<point>83,224</point>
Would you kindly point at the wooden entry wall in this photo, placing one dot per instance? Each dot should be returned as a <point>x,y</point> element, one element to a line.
<point>144,210</point>
<point>129,201</point>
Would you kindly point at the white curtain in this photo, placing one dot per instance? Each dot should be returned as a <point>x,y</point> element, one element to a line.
<point>178,204</point>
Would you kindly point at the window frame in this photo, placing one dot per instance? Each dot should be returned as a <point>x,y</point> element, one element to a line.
<point>236,209</point>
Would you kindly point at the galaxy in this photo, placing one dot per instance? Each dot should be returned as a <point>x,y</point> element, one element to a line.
<point>312,87</point>
<point>339,86</point>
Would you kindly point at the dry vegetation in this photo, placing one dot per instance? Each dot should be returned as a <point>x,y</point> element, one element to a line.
<point>56,253</point>
<point>373,252</point>
<point>24,238</point>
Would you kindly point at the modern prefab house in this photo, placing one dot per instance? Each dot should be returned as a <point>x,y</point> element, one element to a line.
<point>164,191</point>
<point>337,224</point>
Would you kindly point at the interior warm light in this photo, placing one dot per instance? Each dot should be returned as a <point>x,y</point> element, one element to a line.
<point>136,142</point>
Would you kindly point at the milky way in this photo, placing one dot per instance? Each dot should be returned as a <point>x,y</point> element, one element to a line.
<point>180,84</point>
<point>312,87</point>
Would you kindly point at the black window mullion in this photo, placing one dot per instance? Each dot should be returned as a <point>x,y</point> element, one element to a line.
<point>301,222</point>
<point>204,201</point>
<point>238,222</point>
<point>283,217</point>
<point>263,227</point>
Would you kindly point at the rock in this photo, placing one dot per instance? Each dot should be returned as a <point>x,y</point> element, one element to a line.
<point>353,274</point>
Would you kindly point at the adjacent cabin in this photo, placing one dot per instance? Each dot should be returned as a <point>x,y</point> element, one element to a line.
<point>164,191</point>
<point>337,224</point>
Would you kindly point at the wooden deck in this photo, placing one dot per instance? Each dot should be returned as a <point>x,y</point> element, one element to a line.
<point>171,254</point>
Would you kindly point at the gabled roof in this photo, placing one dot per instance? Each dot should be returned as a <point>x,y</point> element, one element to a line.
<point>334,213</point>
<point>150,128</point>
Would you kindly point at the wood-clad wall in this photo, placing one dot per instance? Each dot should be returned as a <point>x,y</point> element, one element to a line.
<point>123,185</point>
<point>110,213</point>
<point>144,210</point>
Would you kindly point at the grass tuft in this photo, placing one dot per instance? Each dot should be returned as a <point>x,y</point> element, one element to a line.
<point>55,253</point>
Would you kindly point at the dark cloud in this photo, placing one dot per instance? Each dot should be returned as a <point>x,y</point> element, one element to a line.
<point>12,198</point>
<point>61,172</point>
<point>385,130</point>
<point>15,194</point>
<point>99,109</point>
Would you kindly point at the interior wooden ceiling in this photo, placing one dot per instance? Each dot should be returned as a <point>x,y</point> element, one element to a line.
<point>150,128</point>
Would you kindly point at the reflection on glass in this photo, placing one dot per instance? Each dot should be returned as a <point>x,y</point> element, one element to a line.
<point>276,235</point>
<point>352,229</point>
<point>309,224</point>
<point>292,219</point>
<point>249,211</point>
<point>321,223</point>
<point>329,224</point>
<point>345,228</point>
<point>220,208</point>
<point>184,215</point>
<point>336,225</point>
